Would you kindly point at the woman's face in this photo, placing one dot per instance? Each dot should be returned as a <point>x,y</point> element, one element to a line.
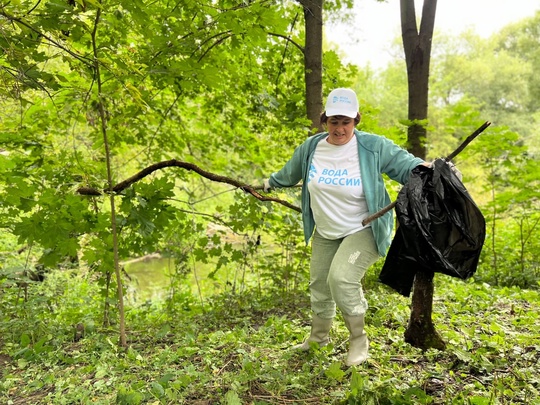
<point>340,129</point>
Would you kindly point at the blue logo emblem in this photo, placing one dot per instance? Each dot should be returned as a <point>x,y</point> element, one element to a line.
<point>312,172</point>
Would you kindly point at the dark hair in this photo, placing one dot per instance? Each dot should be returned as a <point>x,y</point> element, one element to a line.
<point>324,118</point>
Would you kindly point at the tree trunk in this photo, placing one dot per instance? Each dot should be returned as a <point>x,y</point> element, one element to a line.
<point>420,332</point>
<point>313,61</point>
<point>417,47</point>
<point>114,227</point>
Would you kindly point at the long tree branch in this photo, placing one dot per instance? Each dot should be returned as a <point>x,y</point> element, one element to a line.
<point>192,167</point>
<point>289,40</point>
<point>452,155</point>
<point>246,187</point>
<point>216,43</point>
<point>32,9</point>
<point>285,50</point>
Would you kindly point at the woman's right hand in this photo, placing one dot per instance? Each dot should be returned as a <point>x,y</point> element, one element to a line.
<point>266,186</point>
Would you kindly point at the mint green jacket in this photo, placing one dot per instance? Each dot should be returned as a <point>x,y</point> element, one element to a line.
<point>378,155</point>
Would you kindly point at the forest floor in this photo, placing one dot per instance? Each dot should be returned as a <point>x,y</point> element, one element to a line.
<point>236,350</point>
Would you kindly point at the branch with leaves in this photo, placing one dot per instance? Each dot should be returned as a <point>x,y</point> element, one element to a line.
<point>246,187</point>
<point>87,61</point>
<point>192,167</point>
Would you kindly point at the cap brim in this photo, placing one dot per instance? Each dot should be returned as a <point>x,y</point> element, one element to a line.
<point>333,112</point>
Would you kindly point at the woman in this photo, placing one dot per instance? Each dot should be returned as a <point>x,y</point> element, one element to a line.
<point>342,178</point>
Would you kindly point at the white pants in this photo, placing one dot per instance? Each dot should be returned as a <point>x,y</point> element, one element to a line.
<point>336,271</point>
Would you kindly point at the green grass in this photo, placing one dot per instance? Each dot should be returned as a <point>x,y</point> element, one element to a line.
<point>236,351</point>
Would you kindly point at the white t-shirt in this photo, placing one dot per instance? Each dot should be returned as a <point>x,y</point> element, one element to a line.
<point>335,187</point>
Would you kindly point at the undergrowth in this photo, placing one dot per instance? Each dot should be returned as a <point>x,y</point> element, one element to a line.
<point>236,350</point>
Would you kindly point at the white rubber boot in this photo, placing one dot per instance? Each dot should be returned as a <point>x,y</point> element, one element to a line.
<point>358,340</point>
<point>320,329</point>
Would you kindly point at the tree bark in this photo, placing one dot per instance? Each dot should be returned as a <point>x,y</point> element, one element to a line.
<point>417,47</point>
<point>313,17</point>
<point>420,332</point>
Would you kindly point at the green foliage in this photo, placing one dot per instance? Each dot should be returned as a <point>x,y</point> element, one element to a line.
<point>473,80</point>
<point>509,256</point>
<point>184,98</point>
<point>237,350</point>
<point>186,82</point>
<point>496,74</point>
<point>216,84</point>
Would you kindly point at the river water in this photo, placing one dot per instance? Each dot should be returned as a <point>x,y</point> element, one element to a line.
<point>149,278</point>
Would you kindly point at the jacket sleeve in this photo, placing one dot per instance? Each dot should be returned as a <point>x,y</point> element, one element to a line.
<point>396,162</point>
<point>291,173</point>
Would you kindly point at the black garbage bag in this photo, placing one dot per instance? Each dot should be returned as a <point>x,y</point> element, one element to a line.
<point>441,230</point>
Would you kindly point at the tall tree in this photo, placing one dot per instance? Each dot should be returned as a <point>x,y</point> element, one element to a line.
<point>313,17</point>
<point>417,46</point>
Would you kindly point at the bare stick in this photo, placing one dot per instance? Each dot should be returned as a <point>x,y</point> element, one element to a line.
<point>467,141</point>
<point>452,155</point>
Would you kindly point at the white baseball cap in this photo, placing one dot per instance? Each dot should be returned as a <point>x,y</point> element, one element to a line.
<point>342,102</point>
